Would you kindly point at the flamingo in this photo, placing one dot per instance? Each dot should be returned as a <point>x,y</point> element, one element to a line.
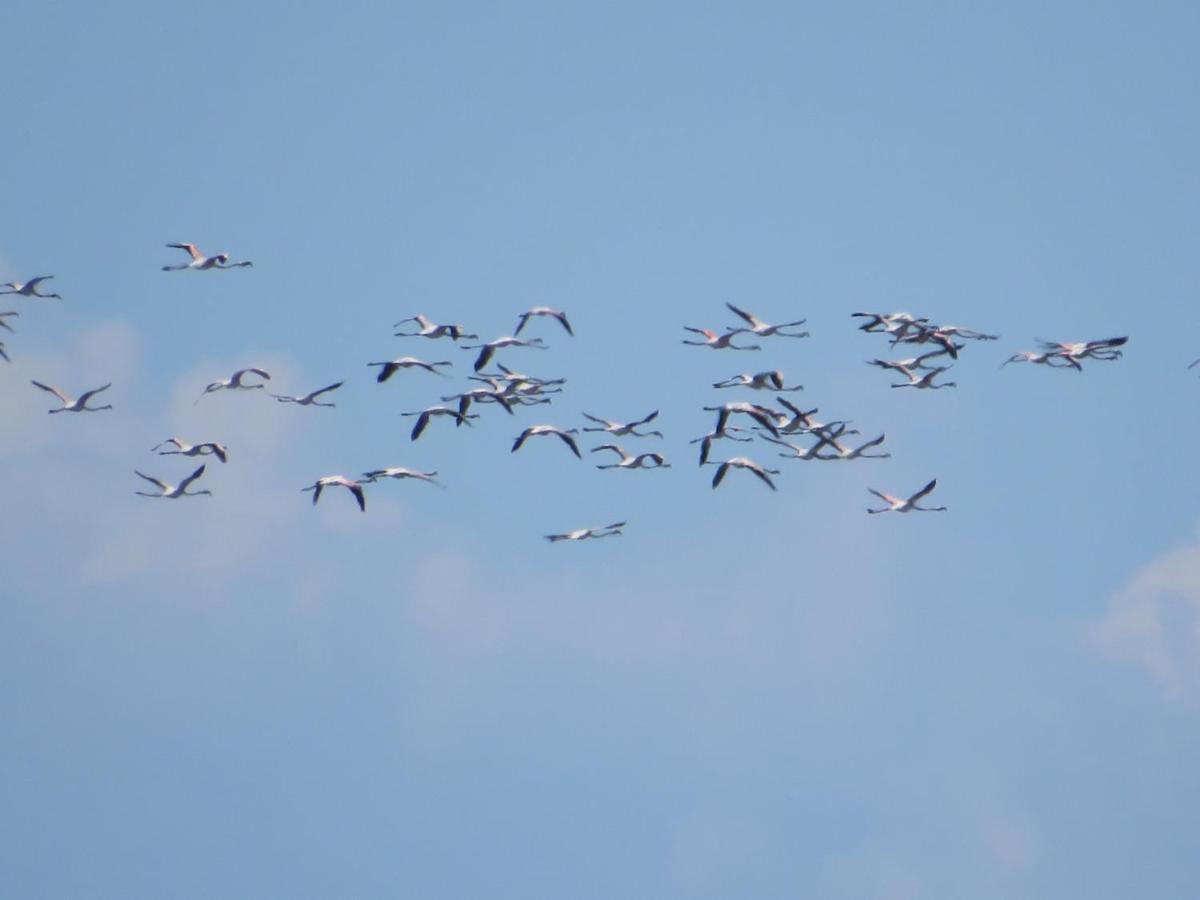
<point>5,325</point>
<point>908,366</point>
<point>858,452</point>
<point>399,472</point>
<point>200,262</point>
<point>1045,359</point>
<point>234,382</point>
<point>509,377</point>
<point>901,505</point>
<point>705,441</point>
<point>424,415</point>
<point>798,452</point>
<point>763,381</point>
<point>349,484</point>
<point>965,333</point>
<point>564,434</point>
<point>488,350</point>
<point>391,367</point>
<point>522,389</point>
<point>172,491</point>
<point>582,534</point>
<point>182,448</point>
<point>881,321</point>
<point>718,341</point>
<point>632,462</point>
<point>70,405</point>
<point>1103,349</point>
<point>760,414</point>
<point>926,381</point>
<point>429,329</point>
<point>761,329</point>
<point>488,395</point>
<point>924,334</point>
<point>29,289</point>
<point>801,421</point>
<point>310,399</point>
<point>544,311</point>
<point>898,325</point>
<point>741,462</point>
<point>826,435</point>
<point>624,429</point>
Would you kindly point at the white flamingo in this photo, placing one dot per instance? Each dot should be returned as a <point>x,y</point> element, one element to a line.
<point>391,367</point>
<point>629,461</point>
<point>172,491</point>
<point>798,452</point>
<point>1044,359</point>
<point>925,382</point>
<point>583,534</point>
<point>509,377</point>
<point>903,505</point>
<point>889,323</point>
<point>564,434</point>
<point>624,429</point>
<point>349,484</point>
<point>859,452</point>
<point>826,435</point>
<point>741,462</point>
<point>760,414</point>
<point>718,341</point>
<point>235,382</point>
<point>544,311</point>
<point>488,350</point>
<point>1105,349</point>
<point>705,441</point>
<point>310,399</point>
<point>427,328</point>
<point>801,421</point>
<point>182,448</point>
<point>29,289</point>
<point>201,262</point>
<point>762,329</point>
<point>762,381</point>
<point>399,472</point>
<point>424,415</point>
<point>70,405</point>
<point>491,395</point>
<point>924,334</point>
<point>910,365</point>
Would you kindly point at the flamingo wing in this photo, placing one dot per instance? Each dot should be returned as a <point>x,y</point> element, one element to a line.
<point>55,391</point>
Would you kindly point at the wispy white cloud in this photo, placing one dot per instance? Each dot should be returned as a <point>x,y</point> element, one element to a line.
<point>1154,621</point>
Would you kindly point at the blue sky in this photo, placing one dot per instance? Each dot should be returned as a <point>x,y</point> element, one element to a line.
<point>749,694</point>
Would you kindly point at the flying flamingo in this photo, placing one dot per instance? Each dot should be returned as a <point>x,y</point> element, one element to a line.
<point>29,289</point>
<point>582,534</point>
<point>718,341</point>
<point>172,491</point>
<point>349,484</point>
<point>762,329</point>
<point>201,262</point>
<point>902,505</point>
<point>310,399</point>
<point>70,405</point>
<point>544,311</point>
<point>741,462</point>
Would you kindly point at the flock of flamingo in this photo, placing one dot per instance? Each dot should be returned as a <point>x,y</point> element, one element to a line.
<point>510,390</point>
